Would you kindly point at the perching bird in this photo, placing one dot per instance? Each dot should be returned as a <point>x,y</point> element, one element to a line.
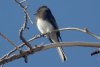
<point>46,23</point>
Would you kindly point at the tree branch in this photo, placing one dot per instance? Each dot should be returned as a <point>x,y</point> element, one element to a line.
<point>23,28</point>
<point>49,46</point>
<point>24,9</point>
<point>11,42</point>
<point>62,29</point>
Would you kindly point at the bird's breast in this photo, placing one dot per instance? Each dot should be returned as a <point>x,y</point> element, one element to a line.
<point>44,26</point>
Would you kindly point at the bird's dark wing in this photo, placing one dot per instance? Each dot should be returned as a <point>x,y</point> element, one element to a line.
<point>52,20</point>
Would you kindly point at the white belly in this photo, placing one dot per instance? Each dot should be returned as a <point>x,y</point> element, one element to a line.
<point>44,26</point>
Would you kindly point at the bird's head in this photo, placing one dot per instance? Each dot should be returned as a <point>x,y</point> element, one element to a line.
<point>43,11</point>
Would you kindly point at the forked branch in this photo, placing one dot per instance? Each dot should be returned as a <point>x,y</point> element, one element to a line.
<point>38,48</point>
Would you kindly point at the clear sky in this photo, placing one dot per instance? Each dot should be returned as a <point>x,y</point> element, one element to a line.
<point>68,13</point>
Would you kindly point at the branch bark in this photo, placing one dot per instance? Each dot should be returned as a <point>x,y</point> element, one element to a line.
<point>49,46</point>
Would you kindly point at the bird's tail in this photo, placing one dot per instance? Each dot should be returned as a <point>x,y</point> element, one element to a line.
<point>61,53</point>
<point>54,39</point>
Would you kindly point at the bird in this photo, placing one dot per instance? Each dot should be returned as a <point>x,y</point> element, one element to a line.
<point>46,22</point>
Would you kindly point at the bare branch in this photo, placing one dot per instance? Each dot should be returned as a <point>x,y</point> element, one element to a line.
<point>24,25</point>
<point>23,28</point>
<point>24,9</point>
<point>22,1</point>
<point>49,46</point>
<point>93,35</point>
<point>62,29</point>
<point>11,42</point>
<point>23,39</point>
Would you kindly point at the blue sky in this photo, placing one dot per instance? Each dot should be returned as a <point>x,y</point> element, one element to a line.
<point>68,13</point>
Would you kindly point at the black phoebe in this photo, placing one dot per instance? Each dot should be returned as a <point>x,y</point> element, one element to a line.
<point>47,23</point>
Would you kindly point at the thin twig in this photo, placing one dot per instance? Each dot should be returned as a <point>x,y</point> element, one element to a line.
<point>92,34</point>
<point>22,1</point>
<point>11,42</point>
<point>24,9</point>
